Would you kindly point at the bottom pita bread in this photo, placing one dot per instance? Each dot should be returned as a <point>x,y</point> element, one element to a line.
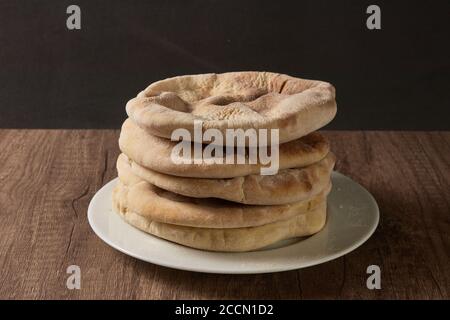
<point>230,239</point>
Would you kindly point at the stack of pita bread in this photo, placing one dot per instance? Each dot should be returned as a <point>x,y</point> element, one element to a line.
<point>226,207</point>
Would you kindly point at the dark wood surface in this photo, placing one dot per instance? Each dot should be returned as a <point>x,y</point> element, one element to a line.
<point>47,178</point>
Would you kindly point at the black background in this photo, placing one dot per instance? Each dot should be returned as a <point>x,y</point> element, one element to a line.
<point>394,78</point>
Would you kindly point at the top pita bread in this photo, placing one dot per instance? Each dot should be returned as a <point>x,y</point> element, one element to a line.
<point>236,100</point>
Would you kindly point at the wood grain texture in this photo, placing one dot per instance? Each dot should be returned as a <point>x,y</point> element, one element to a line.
<point>47,178</point>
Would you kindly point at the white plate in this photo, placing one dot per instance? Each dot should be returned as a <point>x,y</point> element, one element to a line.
<point>352,218</point>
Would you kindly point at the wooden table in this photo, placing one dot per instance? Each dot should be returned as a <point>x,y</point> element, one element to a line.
<point>47,178</point>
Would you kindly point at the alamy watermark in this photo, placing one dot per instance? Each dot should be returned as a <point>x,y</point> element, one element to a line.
<point>374,280</point>
<point>373,22</point>
<point>73,21</point>
<point>74,280</point>
<point>237,142</point>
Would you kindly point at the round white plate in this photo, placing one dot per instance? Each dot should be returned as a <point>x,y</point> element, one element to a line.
<point>352,218</point>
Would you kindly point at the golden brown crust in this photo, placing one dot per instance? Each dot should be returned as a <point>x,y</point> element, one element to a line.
<point>160,205</point>
<point>289,185</point>
<point>155,153</point>
<point>228,240</point>
<point>236,100</point>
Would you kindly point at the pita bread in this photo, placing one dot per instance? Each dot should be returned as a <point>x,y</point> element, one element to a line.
<point>289,185</point>
<point>235,100</point>
<point>160,205</point>
<point>155,153</point>
<point>229,240</point>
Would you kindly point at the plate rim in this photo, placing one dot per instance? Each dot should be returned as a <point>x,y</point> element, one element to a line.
<point>274,269</point>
